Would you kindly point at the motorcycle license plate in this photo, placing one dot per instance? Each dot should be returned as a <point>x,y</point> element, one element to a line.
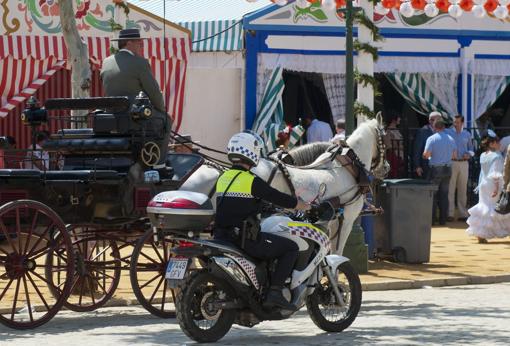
<point>176,268</point>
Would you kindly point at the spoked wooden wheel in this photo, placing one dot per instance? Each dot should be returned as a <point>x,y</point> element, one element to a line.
<point>29,232</point>
<point>147,273</point>
<point>97,270</point>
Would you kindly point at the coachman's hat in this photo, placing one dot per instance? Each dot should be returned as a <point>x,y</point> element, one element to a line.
<point>128,34</point>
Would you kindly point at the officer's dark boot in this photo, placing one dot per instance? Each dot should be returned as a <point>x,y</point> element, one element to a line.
<point>275,298</point>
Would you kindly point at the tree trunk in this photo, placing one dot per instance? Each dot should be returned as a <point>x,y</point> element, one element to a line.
<point>78,57</point>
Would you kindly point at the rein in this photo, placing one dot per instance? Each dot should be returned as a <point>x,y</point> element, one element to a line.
<point>286,175</point>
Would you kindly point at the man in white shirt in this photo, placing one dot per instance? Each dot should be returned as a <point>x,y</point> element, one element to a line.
<point>317,131</point>
<point>340,132</point>
<point>38,159</point>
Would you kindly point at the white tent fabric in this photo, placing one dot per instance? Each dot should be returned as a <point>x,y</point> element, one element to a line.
<point>335,90</point>
<point>411,64</point>
<point>490,67</point>
<point>334,64</point>
<point>444,87</point>
<point>486,91</point>
<point>303,63</point>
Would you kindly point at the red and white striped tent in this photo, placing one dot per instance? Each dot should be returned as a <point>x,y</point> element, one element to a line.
<point>36,65</point>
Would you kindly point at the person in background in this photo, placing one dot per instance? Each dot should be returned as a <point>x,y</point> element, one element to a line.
<point>183,145</point>
<point>38,158</point>
<point>14,159</point>
<point>283,139</point>
<point>506,171</point>
<point>484,223</point>
<point>3,145</point>
<point>393,141</point>
<point>460,169</point>
<point>317,131</point>
<point>420,165</point>
<point>440,150</point>
<point>505,144</point>
<point>340,132</point>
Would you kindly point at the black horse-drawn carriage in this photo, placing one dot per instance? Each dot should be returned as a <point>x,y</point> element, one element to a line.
<point>66,235</point>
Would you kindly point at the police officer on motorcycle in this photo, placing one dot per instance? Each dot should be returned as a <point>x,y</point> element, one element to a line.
<point>239,200</point>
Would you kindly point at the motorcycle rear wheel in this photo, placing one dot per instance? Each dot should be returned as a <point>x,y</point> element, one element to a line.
<point>197,319</point>
<point>321,306</point>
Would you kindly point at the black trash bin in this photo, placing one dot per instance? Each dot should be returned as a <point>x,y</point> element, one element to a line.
<point>403,232</point>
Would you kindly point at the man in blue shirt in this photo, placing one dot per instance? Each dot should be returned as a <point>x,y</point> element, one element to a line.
<point>440,150</point>
<point>420,165</point>
<point>460,169</point>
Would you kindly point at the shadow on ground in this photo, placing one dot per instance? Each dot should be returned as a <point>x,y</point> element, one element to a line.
<point>405,325</point>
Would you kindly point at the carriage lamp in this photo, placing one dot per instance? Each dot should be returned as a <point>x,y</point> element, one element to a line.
<point>142,108</point>
<point>34,115</point>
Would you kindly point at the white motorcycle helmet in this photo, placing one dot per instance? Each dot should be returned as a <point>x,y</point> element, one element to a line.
<point>244,147</point>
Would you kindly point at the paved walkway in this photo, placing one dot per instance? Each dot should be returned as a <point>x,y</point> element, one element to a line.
<point>456,259</point>
<point>465,315</point>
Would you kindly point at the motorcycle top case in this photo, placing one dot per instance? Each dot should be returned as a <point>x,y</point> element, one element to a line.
<point>180,212</point>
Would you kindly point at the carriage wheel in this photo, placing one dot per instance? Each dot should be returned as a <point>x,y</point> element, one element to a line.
<point>97,270</point>
<point>29,231</point>
<point>147,274</point>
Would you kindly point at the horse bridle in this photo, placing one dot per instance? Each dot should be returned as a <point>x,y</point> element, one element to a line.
<point>378,162</point>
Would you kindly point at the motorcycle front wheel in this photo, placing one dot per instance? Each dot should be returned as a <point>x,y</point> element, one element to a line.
<point>321,304</point>
<point>196,307</point>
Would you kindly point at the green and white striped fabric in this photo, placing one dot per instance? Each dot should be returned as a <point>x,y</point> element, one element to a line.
<point>270,108</point>
<point>416,92</point>
<point>216,36</point>
<point>270,121</point>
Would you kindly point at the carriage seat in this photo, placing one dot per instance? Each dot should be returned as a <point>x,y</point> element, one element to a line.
<point>82,175</point>
<point>102,145</point>
<point>74,132</point>
<point>20,173</point>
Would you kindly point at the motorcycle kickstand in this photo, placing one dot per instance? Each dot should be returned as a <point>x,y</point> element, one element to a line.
<point>334,283</point>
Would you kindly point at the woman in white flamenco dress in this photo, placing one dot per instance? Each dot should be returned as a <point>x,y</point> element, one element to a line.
<point>484,222</point>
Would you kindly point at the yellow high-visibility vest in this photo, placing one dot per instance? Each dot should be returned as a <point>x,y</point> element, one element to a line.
<point>241,187</point>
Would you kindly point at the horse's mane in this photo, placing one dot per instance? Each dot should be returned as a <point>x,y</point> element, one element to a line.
<point>308,153</point>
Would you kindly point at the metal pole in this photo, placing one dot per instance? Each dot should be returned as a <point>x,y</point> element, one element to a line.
<point>349,69</point>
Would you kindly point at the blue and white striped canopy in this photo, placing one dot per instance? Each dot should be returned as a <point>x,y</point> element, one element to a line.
<point>215,25</point>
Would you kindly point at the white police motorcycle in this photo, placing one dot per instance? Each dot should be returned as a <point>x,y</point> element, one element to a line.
<point>218,285</point>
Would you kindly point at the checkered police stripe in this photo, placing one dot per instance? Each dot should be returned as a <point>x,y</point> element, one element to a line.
<point>243,151</point>
<point>312,234</point>
<point>235,194</point>
<point>248,267</point>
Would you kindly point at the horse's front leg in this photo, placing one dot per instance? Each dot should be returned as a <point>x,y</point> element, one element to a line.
<point>339,239</point>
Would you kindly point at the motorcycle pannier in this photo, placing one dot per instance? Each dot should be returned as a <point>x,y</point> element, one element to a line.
<point>180,212</point>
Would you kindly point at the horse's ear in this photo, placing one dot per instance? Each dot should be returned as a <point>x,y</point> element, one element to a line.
<point>379,119</point>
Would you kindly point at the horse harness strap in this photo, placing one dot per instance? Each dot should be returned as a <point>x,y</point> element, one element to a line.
<point>351,162</point>
<point>286,175</point>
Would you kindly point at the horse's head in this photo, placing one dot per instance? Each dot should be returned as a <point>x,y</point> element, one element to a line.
<point>368,143</point>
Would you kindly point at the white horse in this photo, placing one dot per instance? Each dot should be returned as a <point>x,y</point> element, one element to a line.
<point>367,143</point>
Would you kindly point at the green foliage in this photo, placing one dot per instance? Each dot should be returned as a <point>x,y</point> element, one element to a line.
<point>361,109</point>
<point>114,25</point>
<point>363,19</point>
<point>367,48</point>
<point>123,5</point>
<point>365,79</point>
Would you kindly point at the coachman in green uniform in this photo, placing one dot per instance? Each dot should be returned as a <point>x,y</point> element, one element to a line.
<point>126,73</point>
<point>239,200</point>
